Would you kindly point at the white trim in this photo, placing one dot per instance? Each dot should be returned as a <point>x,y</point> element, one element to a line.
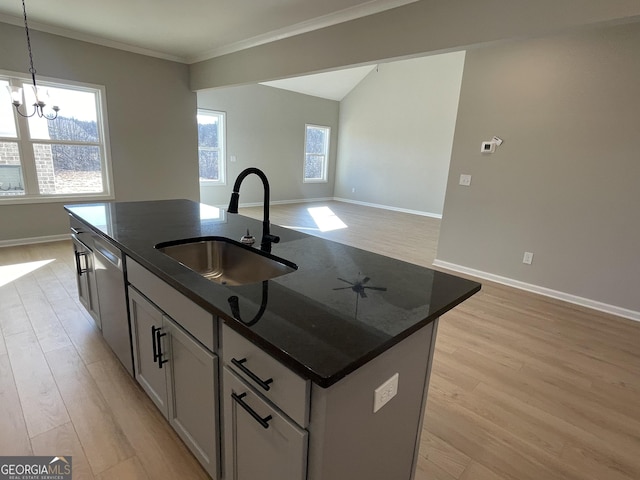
<point>279,202</point>
<point>325,162</point>
<point>84,37</point>
<point>25,143</point>
<point>77,198</point>
<point>222,146</point>
<point>387,207</point>
<point>334,18</point>
<point>29,241</point>
<point>547,292</point>
<point>302,200</point>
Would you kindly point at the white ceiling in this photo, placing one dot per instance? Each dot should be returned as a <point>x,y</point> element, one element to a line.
<point>186,30</point>
<point>331,85</point>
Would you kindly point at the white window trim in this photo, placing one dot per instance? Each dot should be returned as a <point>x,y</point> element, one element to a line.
<point>222,149</point>
<point>23,140</point>
<point>325,170</point>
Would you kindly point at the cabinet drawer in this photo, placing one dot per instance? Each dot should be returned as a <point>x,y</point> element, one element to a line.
<point>81,231</point>
<point>195,320</point>
<point>276,382</point>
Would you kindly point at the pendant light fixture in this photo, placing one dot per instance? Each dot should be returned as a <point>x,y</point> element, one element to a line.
<point>40,94</point>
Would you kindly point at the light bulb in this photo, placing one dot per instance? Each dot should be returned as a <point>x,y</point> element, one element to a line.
<point>42,95</point>
<point>16,95</point>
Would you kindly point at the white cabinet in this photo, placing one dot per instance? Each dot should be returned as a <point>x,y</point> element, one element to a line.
<point>265,411</point>
<point>192,381</point>
<point>260,442</point>
<point>146,325</point>
<point>179,375</point>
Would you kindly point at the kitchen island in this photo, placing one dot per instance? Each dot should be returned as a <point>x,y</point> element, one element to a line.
<point>347,333</point>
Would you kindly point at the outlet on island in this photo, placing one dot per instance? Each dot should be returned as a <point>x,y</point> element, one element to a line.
<point>385,392</point>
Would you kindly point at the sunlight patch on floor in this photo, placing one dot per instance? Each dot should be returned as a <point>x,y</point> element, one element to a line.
<point>9,273</point>
<point>325,219</point>
<point>301,229</point>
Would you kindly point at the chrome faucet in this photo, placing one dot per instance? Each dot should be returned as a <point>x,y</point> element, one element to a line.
<point>267,238</point>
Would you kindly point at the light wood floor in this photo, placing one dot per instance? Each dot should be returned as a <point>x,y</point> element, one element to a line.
<point>522,388</point>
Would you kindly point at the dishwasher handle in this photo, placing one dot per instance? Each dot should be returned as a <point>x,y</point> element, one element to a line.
<point>108,254</point>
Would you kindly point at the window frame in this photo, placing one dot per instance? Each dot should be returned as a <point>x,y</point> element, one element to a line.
<point>222,148</point>
<point>325,166</point>
<point>26,143</point>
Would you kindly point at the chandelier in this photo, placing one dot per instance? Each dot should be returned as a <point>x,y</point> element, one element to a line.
<point>39,93</point>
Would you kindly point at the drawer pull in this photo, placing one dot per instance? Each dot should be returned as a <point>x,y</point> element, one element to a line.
<point>263,383</point>
<point>262,421</point>
<point>156,335</point>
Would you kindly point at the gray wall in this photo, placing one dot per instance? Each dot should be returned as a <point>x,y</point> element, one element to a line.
<point>410,30</point>
<point>265,129</point>
<point>564,183</point>
<point>396,132</point>
<point>151,114</point>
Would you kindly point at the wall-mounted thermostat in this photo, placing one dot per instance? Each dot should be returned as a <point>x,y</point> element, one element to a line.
<point>488,147</point>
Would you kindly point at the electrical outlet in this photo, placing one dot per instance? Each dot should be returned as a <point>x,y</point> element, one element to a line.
<point>353,190</point>
<point>385,392</point>
<point>528,258</point>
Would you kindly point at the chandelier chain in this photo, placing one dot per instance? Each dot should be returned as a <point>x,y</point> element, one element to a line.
<point>26,29</point>
<point>16,92</point>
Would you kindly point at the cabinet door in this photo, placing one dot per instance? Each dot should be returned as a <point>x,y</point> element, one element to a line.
<point>94,306</point>
<point>80,253</point>
<point>192,392</point>
<point>145,320</point>
<point>260,443</point>
<point>85,275</point>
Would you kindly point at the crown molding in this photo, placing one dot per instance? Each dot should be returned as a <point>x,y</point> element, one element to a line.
<point>370,8</point>
<point>85,37</point>
<point>352,13</point>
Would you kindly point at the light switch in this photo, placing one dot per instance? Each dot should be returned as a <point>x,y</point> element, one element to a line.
<point>465,180</point>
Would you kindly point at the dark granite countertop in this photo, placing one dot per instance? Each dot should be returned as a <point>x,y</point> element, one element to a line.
<point>311,323</point>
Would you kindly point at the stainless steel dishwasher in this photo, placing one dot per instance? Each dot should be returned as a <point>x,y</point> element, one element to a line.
<point>112,300</point>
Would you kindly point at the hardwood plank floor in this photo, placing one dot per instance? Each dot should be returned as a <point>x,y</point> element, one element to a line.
<point>523,387</point>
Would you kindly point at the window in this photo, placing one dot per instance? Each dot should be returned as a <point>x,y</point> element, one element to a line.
<point>316,153</point>
<point>65,158</point>
<point>211,147</point>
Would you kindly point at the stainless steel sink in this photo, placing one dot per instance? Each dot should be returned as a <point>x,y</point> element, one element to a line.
<point>226,262</point>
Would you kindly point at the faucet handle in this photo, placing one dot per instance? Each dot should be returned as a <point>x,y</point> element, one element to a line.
<point>272,238</point>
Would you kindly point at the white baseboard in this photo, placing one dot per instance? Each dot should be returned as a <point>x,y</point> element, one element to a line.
<point>301,200</point>
<point>28,241</point>
<point>338,199</point>
<point>547,292</point>
<point>279,202</point>
<point>387,207</point>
